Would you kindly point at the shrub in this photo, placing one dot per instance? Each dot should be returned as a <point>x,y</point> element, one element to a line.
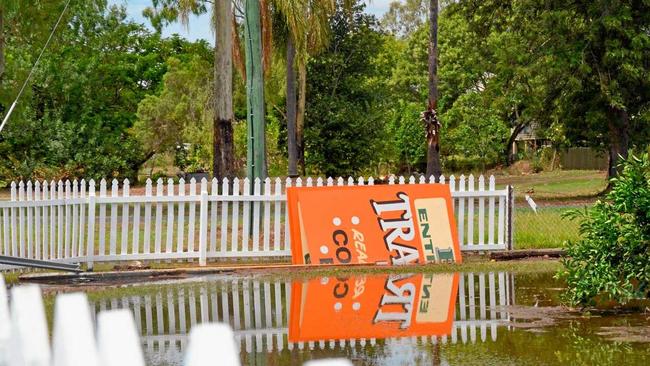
<point>611,261</point>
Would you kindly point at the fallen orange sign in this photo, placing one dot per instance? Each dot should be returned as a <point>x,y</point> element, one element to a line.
<point>383,306</point>
<point>383,224</point>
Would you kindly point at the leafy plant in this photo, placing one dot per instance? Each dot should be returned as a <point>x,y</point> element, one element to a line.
<point>612,259</point>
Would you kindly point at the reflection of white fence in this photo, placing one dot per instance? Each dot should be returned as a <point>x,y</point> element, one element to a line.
<point>24,338</point>
<point>258,312</point>
<point>72,222</point>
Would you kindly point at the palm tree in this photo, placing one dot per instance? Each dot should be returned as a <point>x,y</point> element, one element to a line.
<point>307,22</point>
<point>165,11</point>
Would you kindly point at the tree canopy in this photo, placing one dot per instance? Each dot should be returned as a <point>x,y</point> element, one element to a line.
<point>109,93</point>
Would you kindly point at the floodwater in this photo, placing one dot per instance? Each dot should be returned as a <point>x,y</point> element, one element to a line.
<point>495,318</point>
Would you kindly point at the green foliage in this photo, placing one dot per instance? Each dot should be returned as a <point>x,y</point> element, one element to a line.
<point>612,258</point>
<point>479,132</point>
<point>343,123</point>
<point>73,119</point>
<point>406,132</point>
<point>180,114</point>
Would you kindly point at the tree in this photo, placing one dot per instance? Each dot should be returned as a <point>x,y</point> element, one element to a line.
<point>582,64</point>
<point>181,113</point>
<point>166,11</point>
<point>344,129</point>
<point>609,89</point>
<point>430,117</point>
<point>307,24</point>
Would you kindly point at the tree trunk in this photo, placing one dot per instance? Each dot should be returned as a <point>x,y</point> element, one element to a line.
<point>619,138</point>
<point>511,140</point>
<point>256,158</point>
<point>431,120</point>
<point>223,146</point>
<point>300,116</point>
<point>291,109</point>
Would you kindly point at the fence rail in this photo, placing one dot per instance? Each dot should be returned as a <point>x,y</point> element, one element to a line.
<point>73,222</point>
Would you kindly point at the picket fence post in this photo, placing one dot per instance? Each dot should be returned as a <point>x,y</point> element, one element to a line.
<point>203,227</point>
<point>510,241</point>
<point>91,225</point>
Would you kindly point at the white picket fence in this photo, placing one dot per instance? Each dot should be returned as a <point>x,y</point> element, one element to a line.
<point>72,222</point>
<point>25,341</point>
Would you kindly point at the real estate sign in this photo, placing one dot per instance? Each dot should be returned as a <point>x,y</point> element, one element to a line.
<point>381,224</point>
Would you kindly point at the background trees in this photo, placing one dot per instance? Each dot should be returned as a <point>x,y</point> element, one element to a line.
<point>343,91</point>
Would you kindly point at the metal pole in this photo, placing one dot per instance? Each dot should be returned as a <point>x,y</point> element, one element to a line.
<point>37,263</point>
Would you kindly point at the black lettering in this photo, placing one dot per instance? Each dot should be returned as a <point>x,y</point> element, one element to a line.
<point>338,294</point>
<point>348,255</point>
<point>338,233</point>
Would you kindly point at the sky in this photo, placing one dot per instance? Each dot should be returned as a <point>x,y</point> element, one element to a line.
<point>199,27</point>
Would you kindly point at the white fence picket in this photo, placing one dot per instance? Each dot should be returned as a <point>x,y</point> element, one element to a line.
<point>29,340</point>
<point>192,216</point>
<point>5,320</point>
<point>124,248</point>
<point>159,212</point>
<point>470,212</point>
<point>117,339</point>
<point>180,230</point>
<point>461,211</point>
<point>225,190</point>
<point>169,246</point>
<point>267,215</point>
<point>102,218</point>
<point>256,215</point>
<point>67,220</point>
<point>214,212</point>
<point>234,242</point>
<point>147,219</point>
<point>73,337</point>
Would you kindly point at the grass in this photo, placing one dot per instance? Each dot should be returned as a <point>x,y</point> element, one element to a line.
<point>546,229</point>
<point>556,185</point>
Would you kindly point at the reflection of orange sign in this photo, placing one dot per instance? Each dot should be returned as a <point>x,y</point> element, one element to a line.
<point>384,224</point>
<point>373,307</point>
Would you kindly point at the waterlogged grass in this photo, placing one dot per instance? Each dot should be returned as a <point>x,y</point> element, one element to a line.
<point>544,229</point>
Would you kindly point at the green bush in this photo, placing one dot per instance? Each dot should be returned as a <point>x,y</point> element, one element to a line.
<point>611,261</point>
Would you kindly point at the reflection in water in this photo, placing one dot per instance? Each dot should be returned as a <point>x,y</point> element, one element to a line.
<point>274,320</point>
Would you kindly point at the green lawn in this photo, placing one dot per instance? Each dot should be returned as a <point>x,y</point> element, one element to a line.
<point>546,229</point>
<point>556,185</point>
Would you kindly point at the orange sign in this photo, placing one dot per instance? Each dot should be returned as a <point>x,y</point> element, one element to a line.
<point>373,307</point>
<point>383,224</point>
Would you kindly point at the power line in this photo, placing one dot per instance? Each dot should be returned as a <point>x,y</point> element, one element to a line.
<point>13,105</point>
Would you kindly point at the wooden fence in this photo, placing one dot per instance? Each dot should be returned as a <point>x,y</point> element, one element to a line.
<point>73,222</point>
<point>24,337</point>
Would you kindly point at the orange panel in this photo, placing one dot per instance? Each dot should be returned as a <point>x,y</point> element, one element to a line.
<point>383,224</point>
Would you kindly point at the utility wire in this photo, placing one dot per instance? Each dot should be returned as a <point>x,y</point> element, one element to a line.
<point>13,105</point>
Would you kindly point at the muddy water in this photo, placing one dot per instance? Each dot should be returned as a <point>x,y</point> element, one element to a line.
<point>495,318</point>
